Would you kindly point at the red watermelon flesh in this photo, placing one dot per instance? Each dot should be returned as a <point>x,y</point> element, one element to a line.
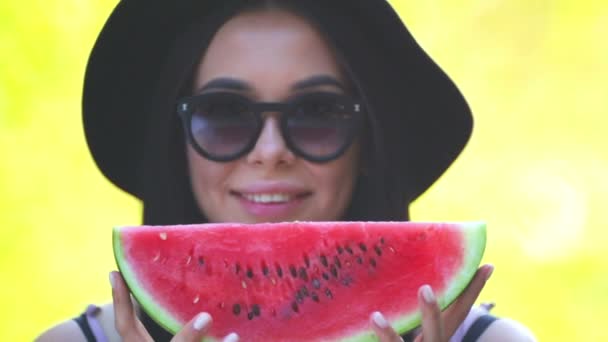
<point>296,281</point>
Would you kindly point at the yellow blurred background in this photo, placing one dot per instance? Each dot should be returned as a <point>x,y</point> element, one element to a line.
<point>534,72</point>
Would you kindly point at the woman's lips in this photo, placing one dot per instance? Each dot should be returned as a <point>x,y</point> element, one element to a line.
<point>268,205</point>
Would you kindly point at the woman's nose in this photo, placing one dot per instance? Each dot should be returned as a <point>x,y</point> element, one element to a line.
<point>271,149</point>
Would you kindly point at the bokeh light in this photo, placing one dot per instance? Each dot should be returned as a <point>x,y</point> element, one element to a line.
<point>534,72</point>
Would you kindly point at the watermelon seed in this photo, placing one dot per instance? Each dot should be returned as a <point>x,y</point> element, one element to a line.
<point>243,284</point>
<point>255,309</point>
<point>378,250</point>
<point>237,268</point>
<point>294,307</point>
<point>347,281</point>
<point>328,293</point>
<point>306,260</point>
<point>315,297</point>
<point>156,257</point>
<point>292,270</point>
<point>348,249</point>
<point>325,276</point>
<point>279,271</point>
<point>316,283</point>
<point>324,260</point>
<point>163,236</point>
<point>196,299</point>
<point>363,247</point>
<point>299,297</point>
<point>222,305</point>
<point>249,272</point>
<point>337,262</point>
<point>382,240</point>
<point>359,260</point>
<point>391,249</point>
<point>303,274</point>
<point>305,291</point>
<point>274,282</point>
<point>201,261</point>
<point>334,271</point>
<point>250,316</point>
<point>340,249</point>
<point>189,260</point>
<point>372,262</point>
<point>236,309</point>
<point>348,264</point>
<point>265,270</point>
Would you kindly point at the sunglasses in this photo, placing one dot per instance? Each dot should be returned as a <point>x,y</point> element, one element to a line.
<point>224,126</point>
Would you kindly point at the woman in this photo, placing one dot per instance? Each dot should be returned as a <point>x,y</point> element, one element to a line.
<point>286,110</point>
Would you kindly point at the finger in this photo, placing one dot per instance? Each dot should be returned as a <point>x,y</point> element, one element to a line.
<point>126,322</point>
<point>195,329</point>
<point>232,337</point>
<point>459,309</point>
<point>432,326</point>
<point>383,330</point>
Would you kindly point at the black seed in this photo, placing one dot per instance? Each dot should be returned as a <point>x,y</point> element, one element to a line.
<point>382,240</point>
<point>201,261</point>
<point>340,249</point>
<point>328,293</point>
<point>279,271</point>
<point>294,307</point>
<point>359,260</point>
<point>315,297</point>
<point>325,276</point>
<point>306,260</point>
<point>305,291</point>
<point>372,262</point>
<point>255,309</point>
<point>363,247</point>
<point>292,270</point>
<point>337,262</point>
<point>324,260</point>
<point>237,268</point>
<point>249,273</point>
<point>349,250</point>
<point>299,297</point>
<point>334,271</point>
<point>303,274</point>
<point>250,315</point>
<point>378,250</point>
<point>236,309</point>
<point>346,281</point>
<point>316,283</point>
<point>265,270</point>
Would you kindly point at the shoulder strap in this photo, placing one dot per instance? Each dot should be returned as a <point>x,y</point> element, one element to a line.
<point>478,327</point>
<point>83,323</point>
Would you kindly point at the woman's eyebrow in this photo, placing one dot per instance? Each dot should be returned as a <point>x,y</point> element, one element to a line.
<point>225,83</point>
<point>316,81</point>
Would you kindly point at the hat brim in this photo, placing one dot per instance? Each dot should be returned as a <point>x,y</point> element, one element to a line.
<point>132,48</point>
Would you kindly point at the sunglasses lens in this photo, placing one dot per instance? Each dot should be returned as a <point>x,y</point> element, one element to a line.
<point>321,126</point>
<point>223,126</point>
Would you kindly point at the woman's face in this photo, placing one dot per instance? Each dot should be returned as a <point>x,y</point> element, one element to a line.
<point>269,52</point>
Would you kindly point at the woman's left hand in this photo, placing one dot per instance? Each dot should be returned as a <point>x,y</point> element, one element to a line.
<point>437,326</point>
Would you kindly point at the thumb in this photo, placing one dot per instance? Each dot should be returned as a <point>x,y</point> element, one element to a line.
<point>195,330</point>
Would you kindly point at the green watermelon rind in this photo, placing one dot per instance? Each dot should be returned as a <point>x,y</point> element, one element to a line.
<point>474,240</point>
<point>162,317</point>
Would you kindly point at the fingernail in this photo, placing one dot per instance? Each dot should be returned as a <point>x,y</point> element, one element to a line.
<point>202,320</point>
<point>489,271</point>
<point>112,280</point>
<point>379,320</point>
<point>232,337</point>
<point>427,294</point>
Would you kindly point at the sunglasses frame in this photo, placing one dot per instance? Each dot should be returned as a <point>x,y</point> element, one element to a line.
<point>186,106</point>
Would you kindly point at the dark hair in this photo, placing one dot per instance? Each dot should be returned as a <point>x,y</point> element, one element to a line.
<point>168,197</point>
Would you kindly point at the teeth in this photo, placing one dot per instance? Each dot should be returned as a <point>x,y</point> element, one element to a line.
<point>268,198</point>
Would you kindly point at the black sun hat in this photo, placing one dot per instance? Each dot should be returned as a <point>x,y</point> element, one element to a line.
<point>423,118</point>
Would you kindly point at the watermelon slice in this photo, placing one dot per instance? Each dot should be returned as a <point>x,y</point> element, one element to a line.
<point>297,281</point>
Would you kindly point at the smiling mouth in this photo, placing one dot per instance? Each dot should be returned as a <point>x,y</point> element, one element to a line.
<point>271,198</point>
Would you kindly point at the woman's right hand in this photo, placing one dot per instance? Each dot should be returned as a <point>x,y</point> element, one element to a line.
<point>130,328</point>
